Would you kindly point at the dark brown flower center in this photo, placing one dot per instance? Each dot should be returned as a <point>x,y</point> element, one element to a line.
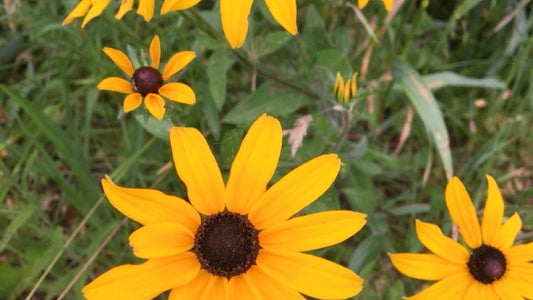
<point>487,264</point>
<point>146,80</point>
<point>226,244</point>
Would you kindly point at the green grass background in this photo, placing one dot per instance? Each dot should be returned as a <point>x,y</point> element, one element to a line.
<point>465,80</point>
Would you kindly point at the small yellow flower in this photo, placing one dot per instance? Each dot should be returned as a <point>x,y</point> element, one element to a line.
<point>344,91</point>
<point>148,82</point>
<point>388,3</point>
<point>234,16</point>
<point>235,240</point>
<point>93,8</point>
<point>489,267</point>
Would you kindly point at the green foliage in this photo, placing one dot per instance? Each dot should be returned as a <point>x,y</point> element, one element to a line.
<point>467,78</point>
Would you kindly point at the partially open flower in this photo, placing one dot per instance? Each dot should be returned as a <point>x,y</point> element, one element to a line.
<point>147,82</point>
<point>344,91</point>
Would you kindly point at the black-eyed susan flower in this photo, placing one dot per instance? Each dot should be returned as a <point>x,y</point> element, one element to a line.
<point>234,16</point>
<point>488,267</point>
<point>147,82</point>
<point>343,91</point>
<point>235,240</point>
<point>93,8</point>
<point>387,3</point>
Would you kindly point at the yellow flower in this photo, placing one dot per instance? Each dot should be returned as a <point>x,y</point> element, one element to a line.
<point>93,8</point>
<point>235,240</point>
<point>489,267</point>
<point>388,3</point>
<point>343,91</point>
<point>148,82</point>
<point>234,16</point>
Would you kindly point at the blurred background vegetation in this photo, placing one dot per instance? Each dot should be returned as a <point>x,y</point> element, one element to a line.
<point>444,88</point>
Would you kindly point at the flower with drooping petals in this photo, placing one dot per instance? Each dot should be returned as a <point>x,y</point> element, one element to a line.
<point>489,267</point>
<point>93,8</point>
<point>235,240</point>
<point>147,82</point>
<point>234,16</point>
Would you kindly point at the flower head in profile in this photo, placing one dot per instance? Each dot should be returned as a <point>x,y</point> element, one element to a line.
<point>235,240</point>
<point>147,82</point>
<point>344,91</point>
<point>488,267</point>
<point>234,16</point>
<point>93,8</point>
<point>362,3</point>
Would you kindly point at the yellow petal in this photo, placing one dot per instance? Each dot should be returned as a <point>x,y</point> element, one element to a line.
<point>116,84</point>
<point>425,266</point>
<point>193,289</point>
<point>172,5</point>
<point>161,239</point>
<point>346,95</point>
<point>463,212</point>
<point>478,290</point>
<point>241,287</point>
<point>155,105</point>
<point>284,11</point>
<point>339,87</point>
<point>177,62</point>
<point>353,85</point>
<point>148,206</point>
<point>310,275</point>
<point>313,231</point>
<point>451,287</point>
<point>520,253</point>
<point>361,3</point>
<point>432,237</point>
<point>79,11</point>
<point>493,212</point>
<point>387,3</point>
<point>294,191</point>
<point>255,284</point>
<point>125,6</point>
<point>254,164</point>
<point>512,290</point>
<point>155,52</point>
<point>146,9</point>
<point>120,59</point>
<point>518,278</point>
<point>505,236</point>
<point>234,17</point>
<point>198,169</point>
<point>216,288</point>
<point>178,92</point>
<point>144,281</point>
<point>132,101</point>
<point>96,10</point>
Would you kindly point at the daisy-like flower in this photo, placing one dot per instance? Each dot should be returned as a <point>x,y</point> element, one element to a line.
<point>93,8</point>
<point>148,82</point>
<point>235,240</point>
<point>234,16</point>
<point>489,267</point>
<point>362,3</point>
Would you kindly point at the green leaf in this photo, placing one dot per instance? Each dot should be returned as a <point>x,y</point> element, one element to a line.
<point>442,79</point>
<point>335,61</point>
<point>160,129</point>
<point>216,74</point>
<point>270,98</point>
<point>22,215</point>
<point>426,106</point>
<point>271,42</point>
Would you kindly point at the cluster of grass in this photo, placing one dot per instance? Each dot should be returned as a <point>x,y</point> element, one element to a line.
<point>444,89</point>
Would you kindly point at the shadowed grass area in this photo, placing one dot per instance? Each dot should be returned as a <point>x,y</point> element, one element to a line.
<point>444,88</point>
